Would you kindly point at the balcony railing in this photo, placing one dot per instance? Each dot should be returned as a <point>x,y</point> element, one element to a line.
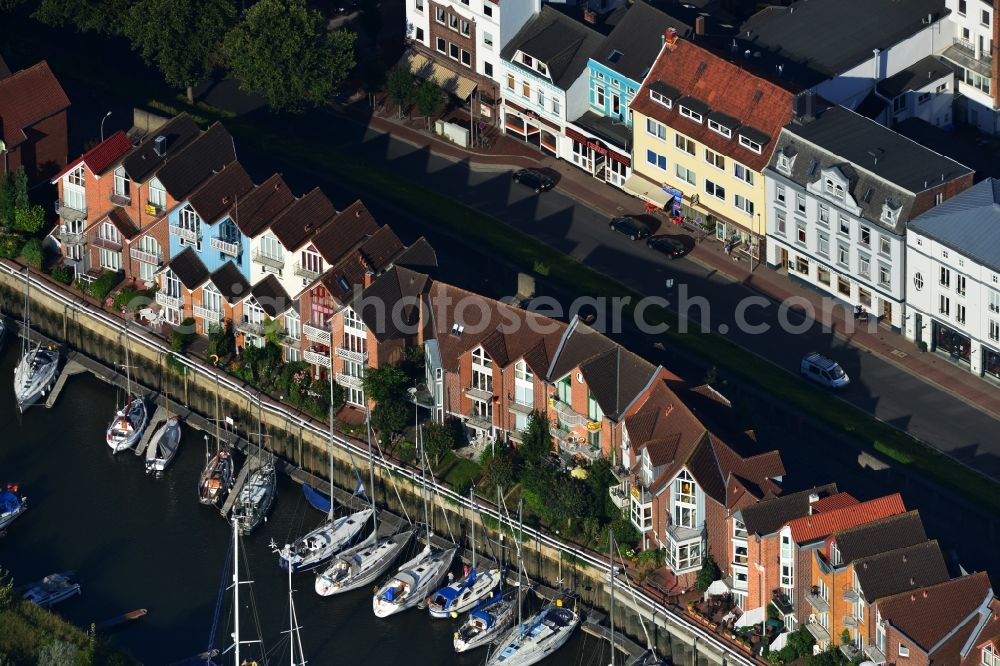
<point>349,381</point>
<point>478,393</point>
<point>567,414</point>
<point>145,257</point>
<point>479,421</point>
<point>351,355</point>
<point>818,632</point>
<point>225,246</point>
<point>316,358</point>
<point>966,54</point>
<point>873,653</point>
<point>520,407</point>
<point>248,327</point>
<point>306,272</point>
<point>316,334</point>
<point>850,650</point>
<point>268,260</point>
<point>619,497</point>
<point>850,595</point>
<point>189,235</point>
<point>679,533</point>
<point>120,199</point>
<point>850,621</point>
<point>641,494</point>
<point>816,601</point>
<point>107,244</point>
<point>69,212</point>
<point>169,301</point>
<point>782,602</point>
<point>211,316</point>
<point>72,238</point>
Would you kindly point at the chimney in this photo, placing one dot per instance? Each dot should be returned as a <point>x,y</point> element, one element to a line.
<point>699,25</point>
<point>671,35</point>
<point>590,16</point>
<point>876,65</point>
<point>160,146</point>
<point>813,498</point>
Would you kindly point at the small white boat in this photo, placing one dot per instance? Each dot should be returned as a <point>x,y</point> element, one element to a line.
<point>487,622</point>
<point>163,445</point>
<point>12,505</point>
<point>361,565</point>
<point>317,547</point>
<point>255,499</point>
<point>52,589</point>
<point>413,582</point>
<point>128,426</point>
<point>547,631</point>
<point>36,372</point>
<point>464,594</point>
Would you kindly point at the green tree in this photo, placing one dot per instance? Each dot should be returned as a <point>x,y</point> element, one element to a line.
<point>20,190</point>
<point>389,418</point>
<point>6,589</point>
<point>100,16</point>
<point>221,341</point>
<point>708,573</point>
<point>6,201</point>
<point>273,330</point>
<point>439,439</point>
<point>33,254</point>
<point>536,444</point>
<point>283,50</point>
<point>179,37</point>
<point>499,469</point>
<point>569,499</point>
<point>30,220</point>
<point>400,86</point>
<point>386,383</point>
<point>429,98</point>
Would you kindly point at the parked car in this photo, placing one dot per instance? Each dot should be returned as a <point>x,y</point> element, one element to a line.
<point>824,371</point>
<point>631,227</point>
<point>534,179</point>
<point>666,245</point>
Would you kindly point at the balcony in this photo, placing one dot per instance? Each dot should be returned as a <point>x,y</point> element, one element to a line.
<point>782,602</point>
<point>306,272</point>
<point>873,653</point>
<point>818,632</point>
<point>210,316</point>
<point>619,497</point>
<point>188,235</point>
<point>225,246</point>
<point>351,355</point>
<point>641,495</point>
<point>816,601</point>
<point>120,199</point>
<point>248,327</point>
<point>269,261</point>
<point>167,301</point>
<point>350,381</point>
<point>679,533</point>
<point>145,257</point>
<point>316,334</point>
<point>850,651</point>
<point>316,358</point>
<point>567,414</point>
<point>965,53</point>
<point>107,244</point>
<point>72,238</point>
<point>850,621</point>
<point>478,393</point>
<point>520,407</point>
<point>851,595</point>
<point>69,212</point>
<point>480,421</point>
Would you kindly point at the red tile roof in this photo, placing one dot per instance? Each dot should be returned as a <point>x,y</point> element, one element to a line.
<point>821,525</point>
<point>101,156</point>
<point>27,97</point>
<point>834,502</point>
<point>929,614</point>
<point>727,89</point>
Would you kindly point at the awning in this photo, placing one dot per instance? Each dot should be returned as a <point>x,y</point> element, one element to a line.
<point>752,617</point>
<point>647,190</point>
<point>455,84</point>
<point>717,588</point>
<point>780,642</point>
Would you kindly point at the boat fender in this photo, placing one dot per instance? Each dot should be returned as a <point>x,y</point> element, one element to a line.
<point>454,615</point>
<point>456,636</point>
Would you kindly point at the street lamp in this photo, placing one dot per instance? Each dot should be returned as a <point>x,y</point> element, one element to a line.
<point>102,124</point>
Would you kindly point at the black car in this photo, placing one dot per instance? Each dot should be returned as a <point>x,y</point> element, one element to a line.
<point>671,247</point>
<point>630,226</point>
<point>534,179</point>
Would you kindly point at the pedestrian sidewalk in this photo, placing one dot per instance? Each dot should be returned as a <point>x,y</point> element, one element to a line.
<point>574,182</point>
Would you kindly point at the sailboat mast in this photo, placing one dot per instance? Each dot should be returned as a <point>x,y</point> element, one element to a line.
<point>329,512</point>
<point>26,333</point>
<point>218,415</point>
<point>236,593</point>
<point>472,524</point>
<point>371,472</point>
<point>520,562</point>
<point>128,369</point>
<point>611,580</point>
<point>423,476</point>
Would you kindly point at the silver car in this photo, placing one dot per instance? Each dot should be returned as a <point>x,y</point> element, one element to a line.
<point>823,371</point>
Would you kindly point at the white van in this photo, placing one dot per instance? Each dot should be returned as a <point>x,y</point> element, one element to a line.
<point>823,371</point>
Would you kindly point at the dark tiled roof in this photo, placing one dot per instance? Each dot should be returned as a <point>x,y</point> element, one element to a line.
<point>768,516</point>
<point>395,286</point>
<point>265,202</point>
<point>270,296</point>
<point>918,75</point>
<point>198,160</point>
<point>605,127</point>
<point>299,222</point>
<point>899,570</point>
<point>26,97</point>
<point>343,233</point>
<point>556,40</point>
<point>637,38</point>
<point>880,536</point>
<point>927,615</point>
<point>968,223</point>
<point>219,194</point>
<point>123,223</point>
<point>143,161</point>
<point>188,268</point>
<point>418,256</point>
<point>371,258</point>
<point>230,282</point>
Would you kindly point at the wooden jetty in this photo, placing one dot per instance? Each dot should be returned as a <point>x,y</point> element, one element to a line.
<point>622,643</point>
<point>251,464</point>
<point>68,370</point>
<point>159,415</point>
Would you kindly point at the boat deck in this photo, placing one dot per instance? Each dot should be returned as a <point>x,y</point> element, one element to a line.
<point>252,463</point>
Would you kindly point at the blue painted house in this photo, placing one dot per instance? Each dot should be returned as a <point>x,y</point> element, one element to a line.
<point>602,135</point>
<point>205,221</point>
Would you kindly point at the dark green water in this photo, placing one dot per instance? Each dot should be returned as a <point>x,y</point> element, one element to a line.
<point>140,542</point>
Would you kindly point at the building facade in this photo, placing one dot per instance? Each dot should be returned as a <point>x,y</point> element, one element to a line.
<point>33,126</point>
<point>970,45</point>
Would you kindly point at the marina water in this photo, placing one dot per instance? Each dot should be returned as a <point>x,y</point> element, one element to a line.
<point>135,541</point>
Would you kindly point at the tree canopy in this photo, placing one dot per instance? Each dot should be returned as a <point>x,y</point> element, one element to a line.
<point>429,98</point>
<point>283,51</point>
<point>537,443</point>
<point>386,383</point>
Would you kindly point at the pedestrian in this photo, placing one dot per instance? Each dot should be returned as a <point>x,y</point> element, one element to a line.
<point>727,247</point>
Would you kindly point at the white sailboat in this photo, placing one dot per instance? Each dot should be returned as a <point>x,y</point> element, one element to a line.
<point>52,589</point>
<point>534,640</point>
<point>131,420</point>
<point>415,579</point>
<point>163,445</point>
<point>259,490</point>
<point>35,373</point>
<point>466,593</point>
<point>333,535</point>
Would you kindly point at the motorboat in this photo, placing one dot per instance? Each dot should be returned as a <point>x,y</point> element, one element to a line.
<point>163,445</point>
<point>128,426</point>
<point>36,372</point>
<point>318,546</point>
<point>413,582</point>
<point>12,505</point>
<point>487,622</point>
<point>217,478</point>
<point>464,594</point>
<point>544,633</point>
<point>52,590</point>
<point>256,498</point>
<point>361,565</point>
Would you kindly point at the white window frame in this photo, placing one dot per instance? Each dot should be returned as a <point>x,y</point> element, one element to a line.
<point>661,99</point>
<point>719,129</point>
<point>691,115</point>
<point>750,144</point>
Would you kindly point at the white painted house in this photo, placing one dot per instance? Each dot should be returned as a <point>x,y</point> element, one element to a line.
<point>970,44</point>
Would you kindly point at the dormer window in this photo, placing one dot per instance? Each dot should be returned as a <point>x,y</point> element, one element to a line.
<point>834,189</point>
<point>527,60</point>
<point>719,129</point>
<point>693,115</point>
<point>889,213</point>
<point>785,163</point>
<point>750,144</point>
<point>661,99</point>
<point>542,69</point>
<point>615,56</point>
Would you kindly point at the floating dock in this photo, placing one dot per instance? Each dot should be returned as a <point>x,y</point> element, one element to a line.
<point>71,368</point>
<point>159,415</point>
<point>622,643</point>
<point>251,464</point>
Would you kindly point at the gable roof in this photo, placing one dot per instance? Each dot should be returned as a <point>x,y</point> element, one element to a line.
<point>703,79</point>
<point>929,614</point>
<point>99,158</point>
<point>189,269</point>
<point>396,286</point>
<point>270,296</point>
<point>834,502</point>
<point>230,282</point>
<point>637,38</point>
<point>300,221</point>
<point>196,161</point>
<point>879,536</point>
<point>562,44</point>
<point>820,525</point>
<point>968,223</point>
<point>369,259</point>
<point>177,133</point>
<point>770,515</point>
<point>26,97</point>
<point>348,228</point>
<point>896,571</point>
<point>262,204</point>
<point>420,256</point>
<point>221,192</point>
<point>120,218</point>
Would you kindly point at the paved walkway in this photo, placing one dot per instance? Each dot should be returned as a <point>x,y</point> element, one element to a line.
<point>506,153</point>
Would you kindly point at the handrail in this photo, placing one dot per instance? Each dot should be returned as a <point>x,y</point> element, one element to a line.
<point>268,404</point>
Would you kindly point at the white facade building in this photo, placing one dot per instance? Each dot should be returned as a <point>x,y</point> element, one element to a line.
<point>969,45</point>
<point>953,279</point>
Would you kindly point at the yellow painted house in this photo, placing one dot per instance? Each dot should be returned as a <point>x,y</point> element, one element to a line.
<point>703,131</point>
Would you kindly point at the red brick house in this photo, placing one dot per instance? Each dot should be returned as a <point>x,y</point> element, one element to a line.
<point>33,130</point>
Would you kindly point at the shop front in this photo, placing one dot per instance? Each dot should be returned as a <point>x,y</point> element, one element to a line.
<point>741,240</point>
<point>527,126</point>
<point>592,151</point>
<point>951,343</point>
<point>991,363</point>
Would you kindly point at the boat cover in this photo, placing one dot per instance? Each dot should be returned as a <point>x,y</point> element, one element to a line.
<point>9,501</point>
<point>316,499</point>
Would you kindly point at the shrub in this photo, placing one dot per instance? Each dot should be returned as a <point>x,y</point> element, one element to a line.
<point>922,346</point>
<point>10,245</point>
<point>33,254</point>
<point>222,343</point>
<point>29,220</point>
<point>130,299</point>
<point>105,282</point>
<point>406,451</point>
<point>62,274</point>
<point>183,335</point>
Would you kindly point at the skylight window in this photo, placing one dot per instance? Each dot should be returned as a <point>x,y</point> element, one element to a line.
<point>343,283</point>
<point>615,56</point>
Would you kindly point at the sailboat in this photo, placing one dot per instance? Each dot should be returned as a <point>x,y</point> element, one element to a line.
<point>164,444</point>
<point>12,505</point>
<point>36,371</point>
<point>218,475</point>
<point>419,576</point>
<point>259,490</point>
<point>363,564</point>
<point>466,593</point>
<point>649,657</point>
<point>333,535</point>
<point>236,647</point>
<point>130,421</point>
